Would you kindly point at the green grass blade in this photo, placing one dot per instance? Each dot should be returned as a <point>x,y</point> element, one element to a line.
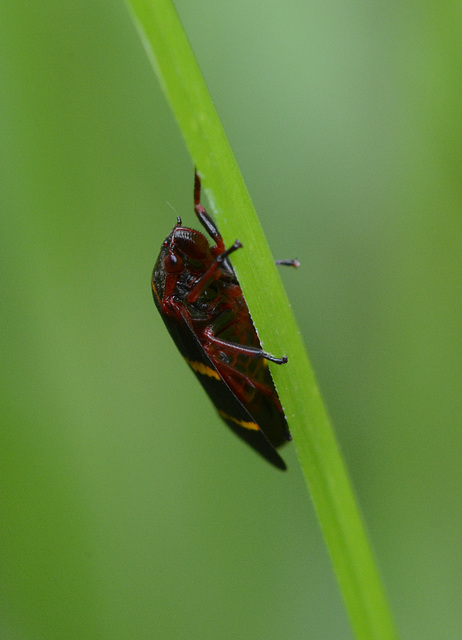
<point>171,55</point>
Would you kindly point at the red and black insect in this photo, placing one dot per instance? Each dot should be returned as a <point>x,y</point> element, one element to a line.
<point>202,304</point>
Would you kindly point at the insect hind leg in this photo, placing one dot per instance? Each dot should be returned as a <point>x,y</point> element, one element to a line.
<point>245,349</point>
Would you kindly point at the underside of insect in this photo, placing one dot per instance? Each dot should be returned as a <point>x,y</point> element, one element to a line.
<point>201,302</point>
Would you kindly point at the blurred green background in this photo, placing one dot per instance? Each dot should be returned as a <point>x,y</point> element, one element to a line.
<point>127,509</point>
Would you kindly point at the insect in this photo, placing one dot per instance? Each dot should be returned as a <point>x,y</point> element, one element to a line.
<point>201,302</point>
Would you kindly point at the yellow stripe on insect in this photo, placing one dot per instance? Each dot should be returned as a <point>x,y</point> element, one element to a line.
<point>253,426</point>
<point>203,369</point>
<point>155,292</point>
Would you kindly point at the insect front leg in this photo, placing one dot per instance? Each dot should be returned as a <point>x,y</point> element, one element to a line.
<point>211,228</point>
<point>202,282</point>
<point>204,218</point>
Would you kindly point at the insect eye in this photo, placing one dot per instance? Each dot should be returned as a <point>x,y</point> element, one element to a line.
<point>173,263</point>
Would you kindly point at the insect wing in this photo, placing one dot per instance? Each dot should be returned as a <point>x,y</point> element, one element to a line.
<point>228,405</point>
<point>249,378</point>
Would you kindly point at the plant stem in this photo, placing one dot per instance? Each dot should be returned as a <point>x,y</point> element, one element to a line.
<point>320,458</point>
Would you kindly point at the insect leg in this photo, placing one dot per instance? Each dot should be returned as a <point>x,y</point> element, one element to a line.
<point>201,283</point>
<point>248,350</point>
<point>204,218</point>
<point>288,263</point>
<point>251,382</point>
